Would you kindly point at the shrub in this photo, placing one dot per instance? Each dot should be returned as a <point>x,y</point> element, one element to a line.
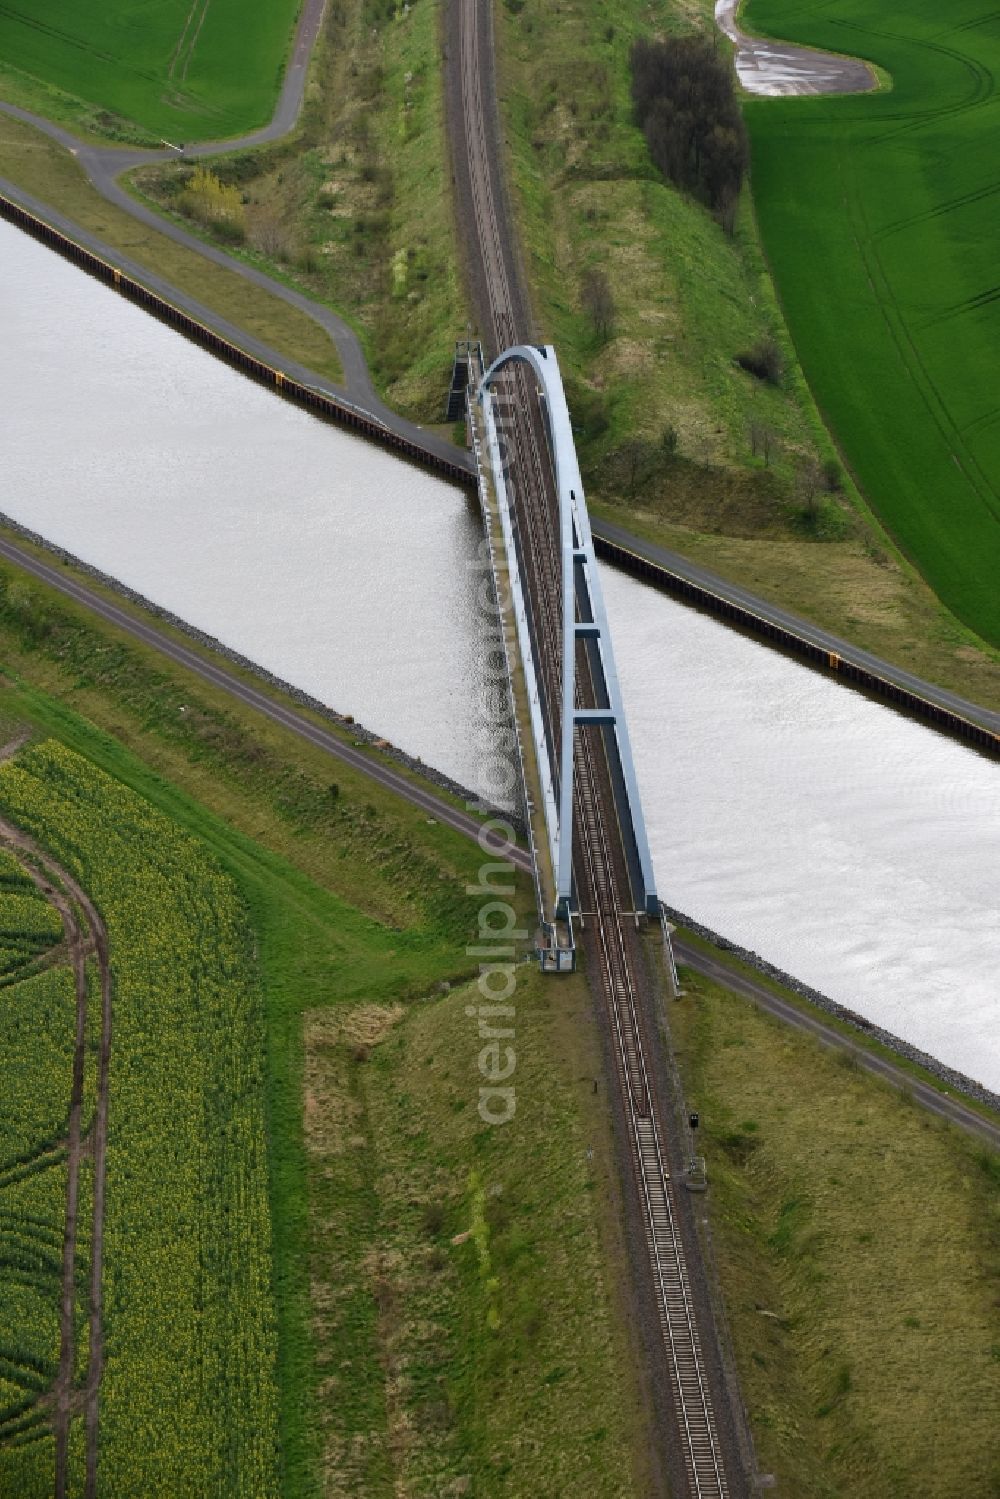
<point>433,1219</point>
<point>214,203</point>
<point>598,303</point>
<point>634,465</point>
<point>832,477</point>
<point>588,410</point>
<point>685,101</point>
<point>764,361</point>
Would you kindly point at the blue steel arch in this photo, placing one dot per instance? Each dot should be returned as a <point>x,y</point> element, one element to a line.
<point>579,567</point>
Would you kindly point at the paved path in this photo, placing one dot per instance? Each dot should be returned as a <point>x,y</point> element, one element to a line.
<point>104,165</point>
<point>207,667</point>
<point>711,966</point>
<point>944,1105</point>
<point>358,393</point>
<point>778,68</point>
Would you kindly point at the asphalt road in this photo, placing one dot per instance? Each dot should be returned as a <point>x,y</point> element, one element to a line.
<point>945,1106</point>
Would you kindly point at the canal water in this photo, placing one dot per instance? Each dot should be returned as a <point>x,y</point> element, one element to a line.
<point>849,846</point>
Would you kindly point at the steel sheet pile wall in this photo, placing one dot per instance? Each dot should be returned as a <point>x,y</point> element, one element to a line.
<point>322,405</point>
<point>852,672</point>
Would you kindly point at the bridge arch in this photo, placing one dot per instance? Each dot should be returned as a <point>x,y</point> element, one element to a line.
<point>581,587</point>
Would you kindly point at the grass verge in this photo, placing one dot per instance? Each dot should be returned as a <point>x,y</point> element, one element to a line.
<point>41,167</point>
<point>355,209</point>
<point>675,439</point>
<point>859,1244</point>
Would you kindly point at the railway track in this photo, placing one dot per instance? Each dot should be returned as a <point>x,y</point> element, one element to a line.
<point>600,869</point>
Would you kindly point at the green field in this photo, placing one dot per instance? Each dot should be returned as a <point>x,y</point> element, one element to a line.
<point>187,69</point>
<point>858,1243</point>
<point>188,1396</point>
<point>880,216</point>
<point>402,1365</point>
<point>37,1017</point>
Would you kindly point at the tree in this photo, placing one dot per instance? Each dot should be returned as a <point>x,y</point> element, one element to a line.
<point>269,235</point>
<point>761,441</point>
<point>809,485</point>
<point>635,462</point>
<point>214,202</point>
<point>598,303</point>
<point>685,101</point>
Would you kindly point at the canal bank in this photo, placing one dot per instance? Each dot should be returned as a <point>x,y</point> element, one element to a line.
<point>943,710</point>
<point>843,842</point>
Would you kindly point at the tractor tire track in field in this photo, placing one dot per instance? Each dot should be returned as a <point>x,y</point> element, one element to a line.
<point>994,15</point>
<point>68,898</point>
<point>983,86</point>
<point>970,304</point>
<point>949,206</point>
<point>911,360</point>
<point>187,42</point>
<point>71,40</point>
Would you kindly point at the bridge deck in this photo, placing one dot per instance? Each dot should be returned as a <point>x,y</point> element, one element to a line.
<point>556,944</point>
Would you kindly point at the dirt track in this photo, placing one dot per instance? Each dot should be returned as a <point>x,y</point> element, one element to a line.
<point>69,899</point>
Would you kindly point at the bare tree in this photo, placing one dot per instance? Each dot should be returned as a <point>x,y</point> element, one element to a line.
<point>761,441</point>
<point>269,235</point>
<point>598,303</point>
<point>809,483</point>
<point>635,458</point>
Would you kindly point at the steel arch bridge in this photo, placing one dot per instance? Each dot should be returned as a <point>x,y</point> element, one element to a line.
<point>584,619</point>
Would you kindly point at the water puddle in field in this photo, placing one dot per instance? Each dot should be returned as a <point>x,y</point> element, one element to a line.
<point>779,68</point>
<point>848,845</point>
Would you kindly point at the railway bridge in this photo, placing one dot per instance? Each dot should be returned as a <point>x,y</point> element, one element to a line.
<point>593,874</point>
<point>590,854</point>
<point>570,711</point>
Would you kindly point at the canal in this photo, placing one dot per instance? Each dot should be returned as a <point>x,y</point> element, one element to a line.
<point>848,845</point>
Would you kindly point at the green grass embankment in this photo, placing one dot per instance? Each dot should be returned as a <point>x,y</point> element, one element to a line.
<point>880,217</point>
<point>858,1242</point>
<point>356,209</point>
<point>37,165</point>
<point>404,1359</point>
<point>188,69</point>
<point>688,300</point>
